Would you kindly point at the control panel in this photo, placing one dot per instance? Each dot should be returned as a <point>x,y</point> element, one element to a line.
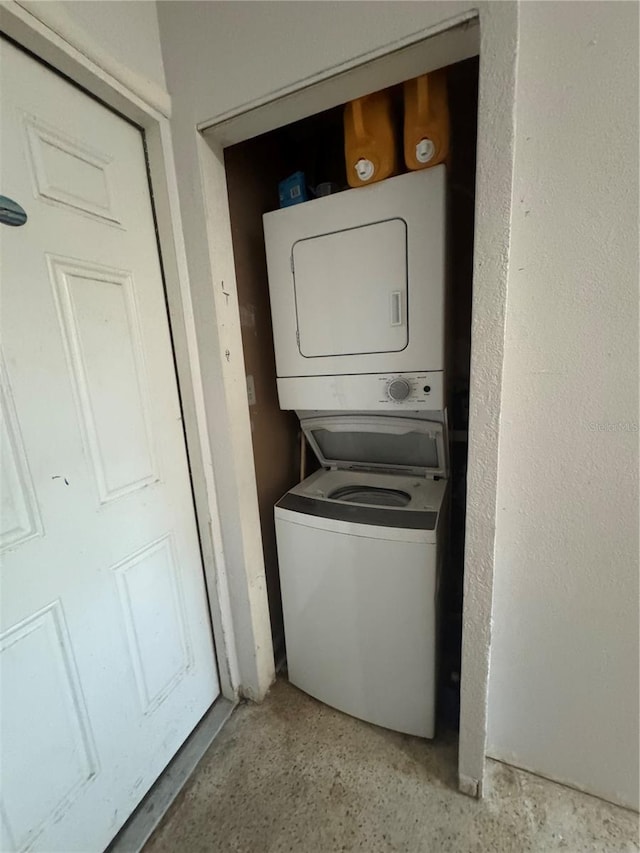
<point>407,388</point>
<point>366,392</point>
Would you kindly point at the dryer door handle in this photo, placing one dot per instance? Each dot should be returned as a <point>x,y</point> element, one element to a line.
<point>396,308</point>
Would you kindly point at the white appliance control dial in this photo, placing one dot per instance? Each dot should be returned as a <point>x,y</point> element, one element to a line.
<point>398,389</point>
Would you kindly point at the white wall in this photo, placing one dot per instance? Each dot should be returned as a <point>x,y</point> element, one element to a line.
<point>563,697</point>
<point>118,43</point>
<point>128,30</point>
<point>246,51</point>
<point>122,37</point>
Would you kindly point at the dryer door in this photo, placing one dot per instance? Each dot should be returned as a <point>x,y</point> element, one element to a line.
<point>351,290</point>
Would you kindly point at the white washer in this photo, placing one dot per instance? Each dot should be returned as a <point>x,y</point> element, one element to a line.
<point>360,545</point>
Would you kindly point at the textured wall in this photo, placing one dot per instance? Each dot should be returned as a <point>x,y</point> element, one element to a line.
<point>563,697</point>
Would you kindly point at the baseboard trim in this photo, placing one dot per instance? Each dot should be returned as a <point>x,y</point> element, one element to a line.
<point>571,785</point>
<point>145,819</point>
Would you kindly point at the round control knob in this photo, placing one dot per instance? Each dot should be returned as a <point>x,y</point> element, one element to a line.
<point>398,389</point>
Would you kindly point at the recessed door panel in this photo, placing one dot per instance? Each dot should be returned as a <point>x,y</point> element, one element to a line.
<point>19,514</point>
<point>150,593</point>
<point>48,752</point>
<point>68,172</point>
<point>101,331</point>
<point>351,290</point>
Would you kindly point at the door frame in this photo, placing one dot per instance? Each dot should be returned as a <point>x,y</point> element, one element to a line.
<point>45,31</point>
<point>424,50</point>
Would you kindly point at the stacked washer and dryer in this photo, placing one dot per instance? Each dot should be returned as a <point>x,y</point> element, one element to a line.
<point>357,287</point>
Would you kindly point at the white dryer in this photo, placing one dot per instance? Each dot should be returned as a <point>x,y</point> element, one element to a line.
<point>360,547</point>
<point>357,284</point>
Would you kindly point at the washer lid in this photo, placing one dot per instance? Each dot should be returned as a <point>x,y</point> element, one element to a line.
<point>366,442</point>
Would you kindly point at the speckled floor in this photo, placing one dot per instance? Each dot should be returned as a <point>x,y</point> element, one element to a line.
<point>295,775</point>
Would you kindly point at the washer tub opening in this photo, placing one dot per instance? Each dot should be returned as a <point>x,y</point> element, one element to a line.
<point>370,495</point>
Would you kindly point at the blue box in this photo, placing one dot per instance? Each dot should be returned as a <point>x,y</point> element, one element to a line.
<point>293,190</point>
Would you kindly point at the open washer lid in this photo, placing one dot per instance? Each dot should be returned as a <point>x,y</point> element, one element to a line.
<point>370,443</point>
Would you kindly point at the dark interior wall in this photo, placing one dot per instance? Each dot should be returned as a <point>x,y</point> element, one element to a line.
<point>462,88</point>
<point>315,146</point>
<point>253,172</point>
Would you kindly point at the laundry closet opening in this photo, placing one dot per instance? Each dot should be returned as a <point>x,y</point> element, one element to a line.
<point>315,147</point>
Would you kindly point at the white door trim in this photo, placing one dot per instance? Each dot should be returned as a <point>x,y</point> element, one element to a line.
<point>148,107</point>
<point>498,47</point>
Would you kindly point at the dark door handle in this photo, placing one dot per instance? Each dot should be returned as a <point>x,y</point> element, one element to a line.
<point>11,213</point>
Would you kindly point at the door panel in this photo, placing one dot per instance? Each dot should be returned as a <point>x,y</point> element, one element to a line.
<point>346,307</point>
<point>106,657</point>
<point>101,333</point>
<point>66,171</point>
<point>19,514</point>
<point>47,765</point>
<point>150,591</point>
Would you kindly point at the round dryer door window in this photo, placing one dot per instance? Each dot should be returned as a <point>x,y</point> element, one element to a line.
<point>371,495</point>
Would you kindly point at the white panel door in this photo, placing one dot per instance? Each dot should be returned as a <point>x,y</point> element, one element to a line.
<point>106,652</point>
<point>351,290</point>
